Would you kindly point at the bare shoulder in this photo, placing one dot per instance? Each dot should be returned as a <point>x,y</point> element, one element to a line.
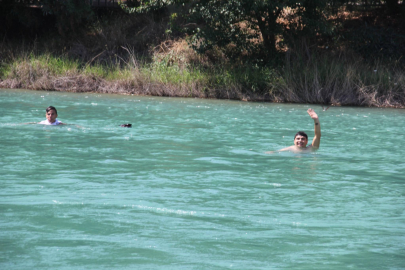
<point>312,148</point>
<point>290,148</point>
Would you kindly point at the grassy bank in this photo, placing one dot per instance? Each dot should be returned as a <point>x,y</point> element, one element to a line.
<point>170,73</point>
<point>106,59</point>
<point>179,72</point>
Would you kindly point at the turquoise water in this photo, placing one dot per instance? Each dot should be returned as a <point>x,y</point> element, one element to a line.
<point>189,185</point>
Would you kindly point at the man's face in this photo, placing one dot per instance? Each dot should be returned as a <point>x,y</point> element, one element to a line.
<point>51,116</point>
<point>300,141</point>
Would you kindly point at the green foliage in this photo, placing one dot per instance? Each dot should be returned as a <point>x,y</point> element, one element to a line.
<point>252,28</point>
<point>247,30</point>
<point>148,6</point>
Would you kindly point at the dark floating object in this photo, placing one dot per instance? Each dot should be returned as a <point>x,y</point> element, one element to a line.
<point>126,125</point>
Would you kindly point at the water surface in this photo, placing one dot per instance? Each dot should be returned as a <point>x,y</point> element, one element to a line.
<point>189,185</point>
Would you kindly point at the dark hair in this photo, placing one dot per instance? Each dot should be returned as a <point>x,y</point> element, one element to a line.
<point>50,108</point>
<point>126,125</point>
<point>301,133</point>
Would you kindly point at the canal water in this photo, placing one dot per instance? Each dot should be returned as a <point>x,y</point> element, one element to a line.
<point>189,186</point>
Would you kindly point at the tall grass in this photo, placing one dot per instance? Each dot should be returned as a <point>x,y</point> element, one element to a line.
<point>340,79</point>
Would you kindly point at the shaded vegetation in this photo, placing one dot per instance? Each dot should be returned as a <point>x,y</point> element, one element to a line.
<point>328,55</point>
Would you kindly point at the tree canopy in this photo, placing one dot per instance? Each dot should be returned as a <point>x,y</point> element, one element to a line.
<point>246,27</point>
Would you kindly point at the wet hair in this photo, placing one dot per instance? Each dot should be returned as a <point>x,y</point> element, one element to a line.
<point>50,108</point>
<point>301,133</point>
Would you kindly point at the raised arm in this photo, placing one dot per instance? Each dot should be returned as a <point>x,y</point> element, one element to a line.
<point>317,126</point>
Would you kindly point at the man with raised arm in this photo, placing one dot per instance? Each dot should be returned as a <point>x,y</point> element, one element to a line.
<point>301,138</point>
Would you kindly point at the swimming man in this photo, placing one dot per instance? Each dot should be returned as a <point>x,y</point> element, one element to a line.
<point>301,138</point>
<point>51,115</point>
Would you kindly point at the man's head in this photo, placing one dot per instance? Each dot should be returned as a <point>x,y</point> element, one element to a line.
<point>51,114</point>
<point>301,139</point>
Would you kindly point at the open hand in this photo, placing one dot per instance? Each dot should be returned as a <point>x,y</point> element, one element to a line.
<point>312,113</point>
